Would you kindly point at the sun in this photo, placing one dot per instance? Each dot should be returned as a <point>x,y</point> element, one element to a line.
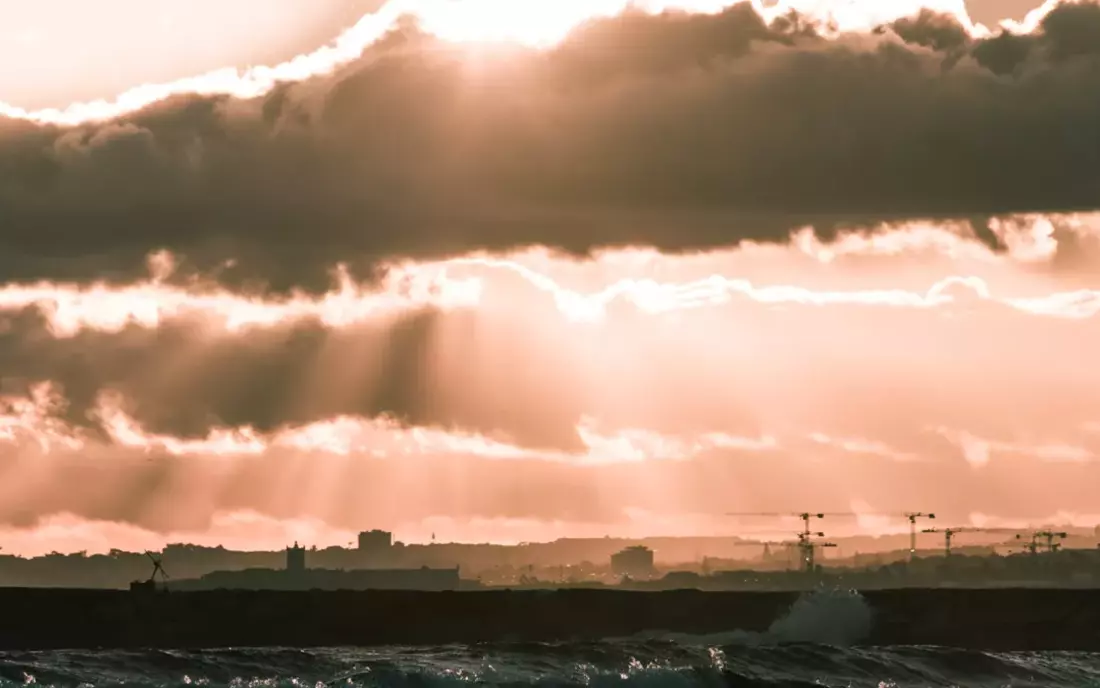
<point>534,23</point>
<point>545,23</point>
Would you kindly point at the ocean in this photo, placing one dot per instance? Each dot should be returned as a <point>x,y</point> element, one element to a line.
<point>814,644</point>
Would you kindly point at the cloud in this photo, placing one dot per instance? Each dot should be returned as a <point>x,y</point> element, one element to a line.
<point>250,530</point>
<point>1079,519</point>
<point>672,266</point>
<point>979,451</point>
<point>36,52</point>
<point>32,420</point>
<point>675,131</point>
<point>241,530</point>
<point>861,446</point>
<point>522,349</point>
<point>348,475</point>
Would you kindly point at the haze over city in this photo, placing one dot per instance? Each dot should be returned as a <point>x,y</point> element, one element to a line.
<point>515,271</point>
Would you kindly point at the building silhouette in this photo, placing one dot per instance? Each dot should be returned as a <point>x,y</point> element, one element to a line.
<point>376,548</point>
<point>297,576</point>
<point>378,560</point>
<point>635,562</point>
<point>295,560</point>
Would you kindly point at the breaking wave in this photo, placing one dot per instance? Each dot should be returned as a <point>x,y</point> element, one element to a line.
<point>812,645</point>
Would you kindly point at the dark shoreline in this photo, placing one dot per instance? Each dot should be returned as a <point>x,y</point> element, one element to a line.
<point>985,619</point>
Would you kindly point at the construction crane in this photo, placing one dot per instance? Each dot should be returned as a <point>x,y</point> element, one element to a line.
<point>806,548</point>
<point>1049,535</point>
<point>912,516</point>
<point>826,544</point>
<point>805,544</point>
<point>949,533</point>
<point>1032,547</point>
<point>804,516</point>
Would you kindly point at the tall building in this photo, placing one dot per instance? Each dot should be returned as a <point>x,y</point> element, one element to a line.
<point>296,559</point>
<point>375,549</point>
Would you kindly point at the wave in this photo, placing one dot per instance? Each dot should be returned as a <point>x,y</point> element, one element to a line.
<point>827,616</point>
<point>813,644</point>
<point>649,663</point>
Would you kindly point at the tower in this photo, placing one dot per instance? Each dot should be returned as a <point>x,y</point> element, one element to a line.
<point>295,559</point>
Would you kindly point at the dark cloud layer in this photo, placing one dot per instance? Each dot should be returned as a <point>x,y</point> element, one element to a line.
<point>674,131</point>
<point>180,380</point>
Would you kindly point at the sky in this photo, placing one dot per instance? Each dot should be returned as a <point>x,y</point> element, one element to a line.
<point>504,275</point>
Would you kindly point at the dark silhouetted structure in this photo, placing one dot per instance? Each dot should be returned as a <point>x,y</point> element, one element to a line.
<point>296,560</point>
<point>297,576</point>
<point>375,541</point>
<point>151,584</point>
<point>328,579</point>
<point>989,619</point>
<point>1068,557</point>
<point>635,562</point>
<point>375,548</point>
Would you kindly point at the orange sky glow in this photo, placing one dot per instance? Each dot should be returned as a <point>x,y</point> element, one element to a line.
<point>635,386</point>
<point>535,23</point>
<point>530,394</point>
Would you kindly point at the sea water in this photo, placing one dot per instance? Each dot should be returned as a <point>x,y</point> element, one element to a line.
<point>815,644</point>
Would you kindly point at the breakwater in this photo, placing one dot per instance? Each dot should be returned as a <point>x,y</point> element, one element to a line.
<point>988,619</point>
